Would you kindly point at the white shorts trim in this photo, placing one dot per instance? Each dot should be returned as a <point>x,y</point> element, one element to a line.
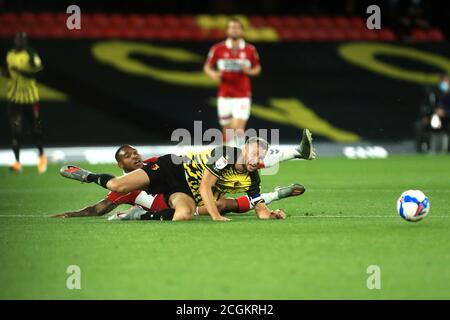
<point>229,108</point>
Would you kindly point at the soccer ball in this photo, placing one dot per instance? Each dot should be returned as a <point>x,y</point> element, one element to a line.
<point>413,205</point>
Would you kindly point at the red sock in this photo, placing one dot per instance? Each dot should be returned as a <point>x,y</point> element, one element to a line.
<point>243,204</point>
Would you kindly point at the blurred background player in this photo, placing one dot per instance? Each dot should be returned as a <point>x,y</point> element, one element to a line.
<point>23,98</point>
<point>440,119</point>
<point>231,63</point>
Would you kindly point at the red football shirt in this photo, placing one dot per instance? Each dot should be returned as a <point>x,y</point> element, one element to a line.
<point>153,202</point>
<point>234,83</point>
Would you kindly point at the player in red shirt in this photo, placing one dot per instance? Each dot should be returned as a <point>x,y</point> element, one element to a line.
<point>128,159</point>
<point>154,207</point>
<point>231,63</point>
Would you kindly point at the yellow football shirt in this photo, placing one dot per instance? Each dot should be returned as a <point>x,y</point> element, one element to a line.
<point>22,66</point>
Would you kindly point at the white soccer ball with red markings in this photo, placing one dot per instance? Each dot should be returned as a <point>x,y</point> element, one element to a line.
<point>413,205</point>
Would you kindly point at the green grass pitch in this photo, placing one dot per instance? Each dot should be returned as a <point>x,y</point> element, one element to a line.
<point>344,222</point>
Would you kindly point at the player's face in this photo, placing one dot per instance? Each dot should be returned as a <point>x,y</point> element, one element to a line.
<point>253,156</point>
<point>130,160</point>
<point>234,30</point>
<point>20,40</point>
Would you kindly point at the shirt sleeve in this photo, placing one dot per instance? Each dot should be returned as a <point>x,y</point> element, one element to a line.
<point>254,192</point>
<point>221,158</point>
<point>151,160</point>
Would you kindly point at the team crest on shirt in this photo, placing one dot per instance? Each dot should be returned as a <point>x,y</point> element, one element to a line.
<point>242,55</point>
<point>154,167</point>
<point>220,163</point>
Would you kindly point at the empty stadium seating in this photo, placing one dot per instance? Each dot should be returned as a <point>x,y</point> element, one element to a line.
<point>201,28</point>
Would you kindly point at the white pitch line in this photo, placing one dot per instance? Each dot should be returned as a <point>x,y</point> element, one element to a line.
<point>247,217</point>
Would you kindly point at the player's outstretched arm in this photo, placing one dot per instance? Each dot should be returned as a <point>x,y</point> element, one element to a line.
<point>208,181</point>
<point>100,208</point>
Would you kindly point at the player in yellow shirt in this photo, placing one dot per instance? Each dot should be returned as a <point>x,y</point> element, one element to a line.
<point>199,178</point>
<point>23,97</point>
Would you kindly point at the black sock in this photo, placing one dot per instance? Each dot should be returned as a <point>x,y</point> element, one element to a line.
<point>16,149</point>
<point>165,214</point>
<point>100,179</point>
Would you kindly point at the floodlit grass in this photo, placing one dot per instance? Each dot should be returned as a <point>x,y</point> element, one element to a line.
<point>345,222</point>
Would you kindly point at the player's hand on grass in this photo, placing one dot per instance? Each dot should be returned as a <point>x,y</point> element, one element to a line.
<point>279,214</point>
<point>221,218</point>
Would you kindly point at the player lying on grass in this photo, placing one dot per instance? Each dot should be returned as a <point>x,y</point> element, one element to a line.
<point>148,205</point>
<point>198,178</point>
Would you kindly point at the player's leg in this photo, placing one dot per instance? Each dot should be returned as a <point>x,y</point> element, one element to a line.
<point>138,213</point>
<point>15,115</point>
<point>36,125</point>
<point>184,206</point>
<point>135,180</point>
<point>304,150</point>
<point>224,114</point>
<point>241,114</point>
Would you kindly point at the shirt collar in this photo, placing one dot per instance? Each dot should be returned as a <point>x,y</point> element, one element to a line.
<point>229,45</point>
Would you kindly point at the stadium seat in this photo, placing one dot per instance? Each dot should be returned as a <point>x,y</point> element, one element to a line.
<point>9,18</point>
<point>435,35</point>
<point>135,20</point>
<point>302,35</point>
<point>27,18</point>
<point>370,35</point>
<point>419,35</point>
<point>274,21</point>
<point>341,22</point>
<point>45,18</point>
<point>111,33</point>
<point>319,34</point>
<point>287,34</point>
<point>386,34</point>
<point>257,21</point>
<point>171,21</point>
<point>353,34</point>
<point>118,20</point>
<point>292,22</point>
<point>357,22</point>
<point>336,35</point>
<point>324,22</point>
<point>99,19</point>
<point>308,22</point>
<point>153,20</point>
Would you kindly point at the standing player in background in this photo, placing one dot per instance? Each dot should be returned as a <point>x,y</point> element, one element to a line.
<point>231,63</point>
<point>23,98</point>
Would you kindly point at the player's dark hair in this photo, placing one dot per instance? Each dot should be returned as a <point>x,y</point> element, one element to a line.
<point>259,141</point>
<point>117,154</point>
<point>235,19</point>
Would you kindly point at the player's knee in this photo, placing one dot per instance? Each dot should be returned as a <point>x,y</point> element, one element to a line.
<point>183,214</point>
